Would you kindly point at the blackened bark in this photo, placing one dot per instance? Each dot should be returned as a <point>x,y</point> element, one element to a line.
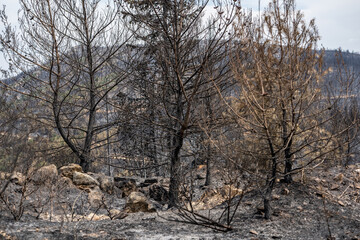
<point>270,182</point>
<point>287,144</point>
<point>269,188</point>
<point>288,168</point>
<point>175,170</point>
<point>208,160</point>
<point>208,172</point>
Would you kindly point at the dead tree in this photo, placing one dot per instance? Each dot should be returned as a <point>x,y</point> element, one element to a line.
<point>71,56</point>
<point>181,53</point>
<point>281,106</point>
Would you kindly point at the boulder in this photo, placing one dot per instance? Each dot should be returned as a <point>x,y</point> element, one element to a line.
<point>68,171</point>
<point>17,178</point>
<point>45,175</point>
<point>80,178</point>
<point>106,183</point>
<point>158,193</point>
<point>65,182</point>
<point>137,202</point>
<point>95,197</point>
<point>126,185</point>
<point>148,182</point>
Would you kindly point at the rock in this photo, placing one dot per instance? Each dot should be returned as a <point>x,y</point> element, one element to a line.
<point>68,171</point>
<point>117,214</point>
<point>252,231</point>
<point>137,202</point>
<point>84,179</point>
<point>96,217</point>
<point>275,197</point>
<point>65,182</point>
<point>341,203</point>
<point>17,178</point>
<point>357,175</point>
<point>317,180</point>
<point>285,191</point>
<point>148,182</point>
<point>45,175</point>
<point>339,177</point>
<point>95,197</point>
<point>4,175</point>
<point>106,183</point>
<point>158,193</point>
<point>334,187</point>
<point>126,185</point>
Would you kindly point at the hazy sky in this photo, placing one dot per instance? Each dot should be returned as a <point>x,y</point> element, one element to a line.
<point>338,20</point>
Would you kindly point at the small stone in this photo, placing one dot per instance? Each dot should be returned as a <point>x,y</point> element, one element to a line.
<point>317,180</point>
<point>117,214</point>
<point>252,231</point>
<point>341,203</point>
<point>275,197</point>
<point>339,177</point>
<point>285,215</point>
<point>357,185</point>
<point>4,175</point>
<point>285,191</point>
<point>300,208</point>
<point>277,212</point>
<point>334,187</point>
<point>18,178</point>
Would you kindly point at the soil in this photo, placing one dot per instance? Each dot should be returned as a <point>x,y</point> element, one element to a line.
<point>324,205</point>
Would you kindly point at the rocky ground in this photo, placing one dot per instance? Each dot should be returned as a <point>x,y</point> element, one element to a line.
<point>319,205</point>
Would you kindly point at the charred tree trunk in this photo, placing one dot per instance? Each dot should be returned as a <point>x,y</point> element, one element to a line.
<point>270,183</point>
<point>175,169</point>
<point>287,145</point>
<point>208,157</point>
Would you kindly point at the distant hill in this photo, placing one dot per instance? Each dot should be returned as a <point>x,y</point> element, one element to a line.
<point>351,59</point>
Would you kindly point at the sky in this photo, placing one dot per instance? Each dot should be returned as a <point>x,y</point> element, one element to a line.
<point>337,20</point>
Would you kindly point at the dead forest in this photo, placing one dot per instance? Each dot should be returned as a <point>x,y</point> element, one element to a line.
<point>111,108</point>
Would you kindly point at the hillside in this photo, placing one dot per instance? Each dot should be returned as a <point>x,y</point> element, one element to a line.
<point>319,205</point>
